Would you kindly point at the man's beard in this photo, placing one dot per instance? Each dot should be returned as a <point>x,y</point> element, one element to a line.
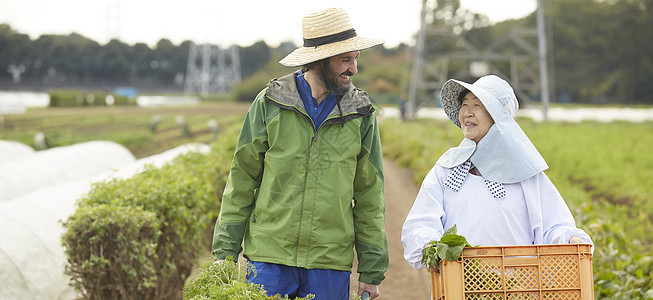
<point>329,79</point>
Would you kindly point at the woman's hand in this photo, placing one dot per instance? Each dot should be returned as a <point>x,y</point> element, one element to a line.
<point>435,269</point>
<point>575,240</point>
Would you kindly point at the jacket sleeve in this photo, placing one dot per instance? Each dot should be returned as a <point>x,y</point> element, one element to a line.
<point>424,221</point>
<point>369,206</point>
<point>551,219</point>
<point>242,183</point>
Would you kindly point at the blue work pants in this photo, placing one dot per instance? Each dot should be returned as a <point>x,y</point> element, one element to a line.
<point>284,280</point>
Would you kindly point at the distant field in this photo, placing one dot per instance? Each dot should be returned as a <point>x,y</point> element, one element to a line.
<point>129,126</point>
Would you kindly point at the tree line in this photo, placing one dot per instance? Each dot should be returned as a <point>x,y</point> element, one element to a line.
<point>76,61</point>
<point>600,51</point>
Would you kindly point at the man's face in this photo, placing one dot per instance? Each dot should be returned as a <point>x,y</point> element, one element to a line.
<point>337,71</point>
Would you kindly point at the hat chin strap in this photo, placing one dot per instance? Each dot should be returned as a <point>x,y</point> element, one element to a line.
<point>324,40</point>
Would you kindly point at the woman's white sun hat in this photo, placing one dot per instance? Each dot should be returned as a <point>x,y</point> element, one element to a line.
<point>327,33</point>
<point>495,93</point>
<point>505,154</point>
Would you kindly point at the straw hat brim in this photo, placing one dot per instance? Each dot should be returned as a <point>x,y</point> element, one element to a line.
<point>306,55</point>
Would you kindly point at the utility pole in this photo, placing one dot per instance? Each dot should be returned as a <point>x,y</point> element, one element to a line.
<point>113,20</point>
<point>418,64</point>
<point>541,43</point>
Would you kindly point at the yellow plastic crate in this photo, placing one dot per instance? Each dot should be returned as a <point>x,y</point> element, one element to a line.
<point>517,272</point>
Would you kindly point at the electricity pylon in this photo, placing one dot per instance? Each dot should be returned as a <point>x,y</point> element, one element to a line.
<point>211,69</point>
<point>518,56</point>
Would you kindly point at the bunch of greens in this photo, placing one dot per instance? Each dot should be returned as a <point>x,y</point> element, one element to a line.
<point>225,280</point>
<point>449,247</point>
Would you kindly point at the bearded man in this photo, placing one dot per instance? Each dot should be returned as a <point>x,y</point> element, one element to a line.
<point>306,183</point>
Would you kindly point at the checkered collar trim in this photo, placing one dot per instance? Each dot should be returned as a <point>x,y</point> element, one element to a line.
<point>457,177</point>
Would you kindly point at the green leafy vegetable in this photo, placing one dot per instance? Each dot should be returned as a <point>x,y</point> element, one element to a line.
<point>449,247</point>
<point>225,280</point>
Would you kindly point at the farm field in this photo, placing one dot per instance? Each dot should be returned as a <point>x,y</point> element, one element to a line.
<point>603,170</point>
<point>130,126</point>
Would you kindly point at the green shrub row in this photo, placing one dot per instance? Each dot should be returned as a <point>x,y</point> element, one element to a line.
<point>598,168</point>
<point>68,98</point>
<point>139,238</point>
<point>111,251</point>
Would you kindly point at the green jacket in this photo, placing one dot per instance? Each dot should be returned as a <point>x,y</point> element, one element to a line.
<point>303,197</point>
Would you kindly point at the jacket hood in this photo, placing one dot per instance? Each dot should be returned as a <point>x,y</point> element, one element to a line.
<point>283,91</point>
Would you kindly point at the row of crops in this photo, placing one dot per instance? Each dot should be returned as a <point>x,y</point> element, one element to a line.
<point>143,130</point>
<point>141,237</point>
<point>603,171</point>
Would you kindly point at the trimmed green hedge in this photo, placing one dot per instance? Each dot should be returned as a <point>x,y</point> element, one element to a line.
<point>111,250</point>
<point>176,205</point>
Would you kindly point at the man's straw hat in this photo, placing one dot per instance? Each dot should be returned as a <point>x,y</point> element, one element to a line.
<point>327,33</point>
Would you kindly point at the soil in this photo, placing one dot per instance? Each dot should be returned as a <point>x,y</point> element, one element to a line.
<point>402,281</point>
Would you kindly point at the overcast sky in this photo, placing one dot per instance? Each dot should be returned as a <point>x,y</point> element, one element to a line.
<point>226,22</point>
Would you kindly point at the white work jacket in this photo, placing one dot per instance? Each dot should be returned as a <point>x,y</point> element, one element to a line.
<point>532,212</point>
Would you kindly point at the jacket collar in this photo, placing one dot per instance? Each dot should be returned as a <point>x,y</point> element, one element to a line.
<point>283,92</point>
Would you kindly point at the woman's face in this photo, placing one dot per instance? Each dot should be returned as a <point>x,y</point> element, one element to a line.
<point>475,120</point>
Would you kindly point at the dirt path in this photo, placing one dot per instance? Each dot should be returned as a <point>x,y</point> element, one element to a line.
<point>402,281</point>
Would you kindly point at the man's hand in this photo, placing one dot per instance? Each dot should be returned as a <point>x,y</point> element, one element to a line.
<point>372,289</point>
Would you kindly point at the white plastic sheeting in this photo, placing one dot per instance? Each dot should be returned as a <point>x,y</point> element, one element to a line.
<point>60,164</point>
<point>555,114</point>
<point>17,102</point>
<point>10,150</point>
<point>32,259</point>
<point>158,101</point>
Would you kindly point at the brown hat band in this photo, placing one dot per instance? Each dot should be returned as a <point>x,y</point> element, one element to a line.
<point>323,40</point>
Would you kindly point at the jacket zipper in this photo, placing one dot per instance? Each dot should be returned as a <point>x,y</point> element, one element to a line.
<point>303,114</point>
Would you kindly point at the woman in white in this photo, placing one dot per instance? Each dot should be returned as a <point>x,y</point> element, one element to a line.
<point>492,186</point>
